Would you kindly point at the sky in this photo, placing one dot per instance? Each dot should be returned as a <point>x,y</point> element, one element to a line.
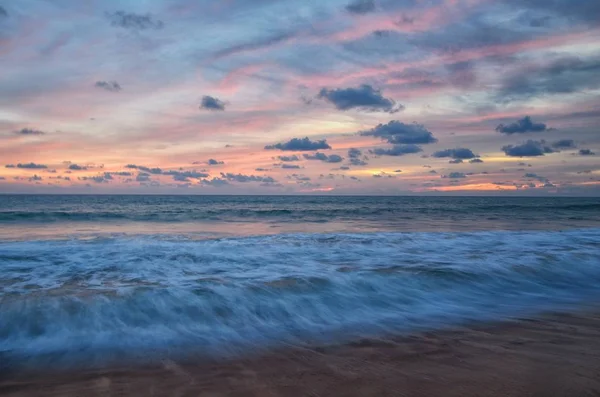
<point>300,97</point>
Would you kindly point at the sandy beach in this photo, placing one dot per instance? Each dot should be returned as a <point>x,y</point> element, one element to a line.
<point>553,355</point>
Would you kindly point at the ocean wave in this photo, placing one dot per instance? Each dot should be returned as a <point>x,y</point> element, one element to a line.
<point>114,297</point>
<point>301,213</point>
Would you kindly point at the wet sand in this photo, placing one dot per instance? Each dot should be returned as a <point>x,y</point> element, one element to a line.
<point>554,355</point>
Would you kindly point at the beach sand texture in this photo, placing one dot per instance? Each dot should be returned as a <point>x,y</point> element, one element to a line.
<point>554,355</point>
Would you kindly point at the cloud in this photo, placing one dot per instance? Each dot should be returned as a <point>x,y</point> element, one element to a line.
<point>178,176</point>
<point>296,144</point>
<point>76,167</point>
<point>361,7</point>
<point>362,98</point>
<point>397,132</point>
<point>527,149</point>
<point>455,175</point>
<point>564,144</point>
<point>290,166</point>
<point>29,131</point>
<point>183,176</point>
<point>586,152</point>
<point>455,161</point>
<point>215,162</point>
<point>121,173</point>
<point>587,11</point>
<point>263,43</point>
<point>97,179</point>
<point>142,177</point>
<point>354,153</point>
<point>521,126</point>
<point>289,158</point>
<point>397,150</point>
<point>334,158</point>
<point>247,178</point>
<point>31,166</point>
<point>155,171</point>
<point>531,175</point>
<point>10,166</point>
<point>132,21</point>
<point>214,182</point>
<point>35,178</point>
<point>212,103</point>
<point>564,75</point>
<point>111,86</point>
<point>457,154</point>
<point>3,12</point>
<point>358,162</point>
<point>473,161</point>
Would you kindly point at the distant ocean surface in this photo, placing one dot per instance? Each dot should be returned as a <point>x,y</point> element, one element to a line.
<point>91,279</point>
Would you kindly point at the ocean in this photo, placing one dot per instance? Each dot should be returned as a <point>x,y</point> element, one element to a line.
<point>89,280</point>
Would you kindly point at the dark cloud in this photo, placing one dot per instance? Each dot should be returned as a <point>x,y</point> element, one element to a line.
<point>355,157</point>
<point>527,149</point>
<point>477,30</point>
<point>586,152</point>
<point>290,166</point>
<point>358,162</point>
<point>132,21</point>
<point>142,177</point>
<point>215,182</point>
<point>561,76</point>
<point>97,179</point>
<point>10,166</point>
<point>297,144</point>
<point>585,11</point>
<point>215,162</point>
<point>354,153</point>
<point>184,176</point>
<point>111,86</point>
<point>178,176</point>
<point>212,103</point>
<point>289,158</point>
<point>334,158</point>
<point>564,144</point>
<point>31,166</point>
<point>247,178</point>
<point>29,131</point>
<point>531,175</point>
<point>397,150</point>
<point>397,132</point>
<point>521,126</point>
<point>76,167</point>
<point>280,37</point>
<point>364,97</point>
<point>122,173</point>
<point>455,161</point>
<point>361,7</point>
<point>458,154</point>
<point>473,161</point>
<point>35,178</point>
<point>3,12</point>
<point>156,171</point>
<point>455,175</point>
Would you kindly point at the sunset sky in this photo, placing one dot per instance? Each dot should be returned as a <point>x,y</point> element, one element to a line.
<point>300,96</point>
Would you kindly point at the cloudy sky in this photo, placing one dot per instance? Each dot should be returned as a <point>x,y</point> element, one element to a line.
<point>300,96</point>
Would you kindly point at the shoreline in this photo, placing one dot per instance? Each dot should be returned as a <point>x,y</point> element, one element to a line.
<point>554,354</point>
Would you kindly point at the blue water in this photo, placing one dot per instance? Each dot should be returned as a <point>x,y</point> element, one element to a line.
<point>90,279</point>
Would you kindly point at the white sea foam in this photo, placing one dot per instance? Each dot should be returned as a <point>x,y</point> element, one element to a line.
<point>121,296</point>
